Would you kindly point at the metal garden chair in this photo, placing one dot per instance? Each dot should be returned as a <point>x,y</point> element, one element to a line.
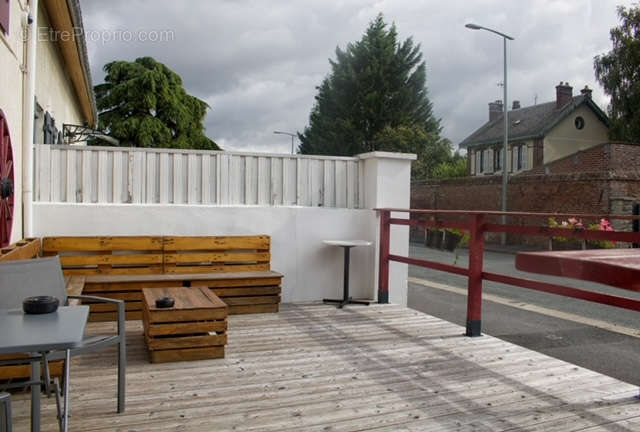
<point>43,276</point>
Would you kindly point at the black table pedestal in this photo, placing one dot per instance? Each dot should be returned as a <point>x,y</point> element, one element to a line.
<point>345,295</point>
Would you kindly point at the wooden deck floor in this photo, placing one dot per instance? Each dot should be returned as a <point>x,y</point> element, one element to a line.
<point>316,368</point>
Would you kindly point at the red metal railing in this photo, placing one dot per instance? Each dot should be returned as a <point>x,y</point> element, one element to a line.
<point>477,224</point>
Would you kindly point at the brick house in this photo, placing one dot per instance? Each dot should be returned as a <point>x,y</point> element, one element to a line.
<point>538,134</point>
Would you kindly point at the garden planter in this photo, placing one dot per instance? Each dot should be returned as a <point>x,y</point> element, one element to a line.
<point>569,244</point>
<point>434,239</point>
<point>591,244</point>
<point>451,241</point>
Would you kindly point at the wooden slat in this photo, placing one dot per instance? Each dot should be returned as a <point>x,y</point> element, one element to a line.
<point>66,244</point>
<point>173,268</point>
<point>236,282</point>
<point>23,372</point>
<point>251,291</point>
<point>168,343</point>
<point>107,307</point>
<point>187,354</point>
<point>130,271</point>
<point>172,244</point>
<point>200,257</point>
<point>113,316</point>
<point>253,309</point>
<point>251,300</point>
<point>133,259</point>
<point>264,276</point>
<point>160,329</point>
<point>22,250</point>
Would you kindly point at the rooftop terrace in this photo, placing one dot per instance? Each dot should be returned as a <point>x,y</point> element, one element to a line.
<point>315,367</point>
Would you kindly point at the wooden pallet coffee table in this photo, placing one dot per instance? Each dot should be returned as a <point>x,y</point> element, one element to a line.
<point>193,329</point>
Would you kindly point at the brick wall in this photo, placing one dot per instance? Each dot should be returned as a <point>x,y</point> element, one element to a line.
<point>604,179</point>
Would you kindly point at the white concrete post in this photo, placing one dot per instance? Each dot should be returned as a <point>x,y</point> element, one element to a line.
<point>387,183</point>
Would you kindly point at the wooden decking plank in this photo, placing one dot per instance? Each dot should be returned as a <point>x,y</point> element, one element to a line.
<point>313,367</point>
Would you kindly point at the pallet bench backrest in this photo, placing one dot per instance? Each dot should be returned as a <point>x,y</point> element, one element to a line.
<point>157,254</point>
<point>106,255</point>
<point>216,254</point>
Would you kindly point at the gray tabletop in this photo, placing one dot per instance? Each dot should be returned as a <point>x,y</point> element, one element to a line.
<point>347,243</point>
<point>22,333</point>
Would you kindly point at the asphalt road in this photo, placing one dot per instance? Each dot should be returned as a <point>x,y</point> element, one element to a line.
<point>594,336</point>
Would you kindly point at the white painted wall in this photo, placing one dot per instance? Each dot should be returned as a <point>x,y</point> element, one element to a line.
<point>11,84</point>
<point>387,180</point>
<point>312,270</point>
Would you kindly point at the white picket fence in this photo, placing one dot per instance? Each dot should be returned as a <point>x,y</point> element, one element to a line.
<point>79,174</point>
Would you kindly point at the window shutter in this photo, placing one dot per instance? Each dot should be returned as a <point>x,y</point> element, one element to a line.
<point>5,12</point>
<point>514,159</point>
<point>478,161</point>
<point>525,157</point>
<point>489,161</point>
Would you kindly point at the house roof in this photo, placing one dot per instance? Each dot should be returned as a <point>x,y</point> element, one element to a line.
<point>529,122</point>
<point>65,15</point>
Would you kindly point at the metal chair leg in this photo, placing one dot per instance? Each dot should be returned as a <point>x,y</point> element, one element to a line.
<point>122,359</point>
<point>5,401</point>
<point>67,366</point>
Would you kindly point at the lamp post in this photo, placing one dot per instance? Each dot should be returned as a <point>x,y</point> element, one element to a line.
<point>505,174</point>
<point>291,134</point>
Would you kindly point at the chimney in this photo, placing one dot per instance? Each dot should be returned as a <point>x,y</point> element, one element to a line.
<point>516,105</point>
<point>586,92</point>
<point>495,110</point>
<point>564,94</point>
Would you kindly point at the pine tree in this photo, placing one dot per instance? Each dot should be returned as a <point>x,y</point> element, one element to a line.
<point>143,104</point>
<point>375,98</point>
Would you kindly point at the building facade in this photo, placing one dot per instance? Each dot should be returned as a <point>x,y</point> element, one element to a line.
<point>45,82</point>
<point>538,134</point>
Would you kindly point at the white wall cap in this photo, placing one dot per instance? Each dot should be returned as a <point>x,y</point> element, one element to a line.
<point>387,155</point>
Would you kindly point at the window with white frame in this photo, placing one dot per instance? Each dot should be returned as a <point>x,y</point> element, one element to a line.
<point>487,161</point>
<point>498,159</point>
<point>520,156</point>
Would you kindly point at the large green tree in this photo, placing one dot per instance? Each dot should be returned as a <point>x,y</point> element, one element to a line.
<point>618,71</point>
<point>143,104</point>
<point>375,98</point>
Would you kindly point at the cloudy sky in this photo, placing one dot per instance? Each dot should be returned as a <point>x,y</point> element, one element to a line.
<point>257,62</point>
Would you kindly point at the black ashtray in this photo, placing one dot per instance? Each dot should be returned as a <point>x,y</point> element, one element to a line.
<point>165,302</point>
<point>40,305</point>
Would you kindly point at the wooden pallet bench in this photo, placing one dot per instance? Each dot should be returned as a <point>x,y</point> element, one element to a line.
<point>237,269</point>
<point>243,292</point>
<point>194,328</point>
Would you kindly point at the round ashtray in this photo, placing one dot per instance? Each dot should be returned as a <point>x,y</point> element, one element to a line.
<point>40,305</point>
<point>165,302</point>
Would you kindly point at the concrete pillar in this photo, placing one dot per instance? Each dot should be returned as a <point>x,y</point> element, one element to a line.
<point>386,183</point>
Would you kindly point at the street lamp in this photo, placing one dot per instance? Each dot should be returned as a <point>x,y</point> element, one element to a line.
<point>291,134</point>
<point>505,174</point>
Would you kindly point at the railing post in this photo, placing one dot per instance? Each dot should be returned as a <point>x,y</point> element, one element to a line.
<point>474,296</point>
<point>383,268</point>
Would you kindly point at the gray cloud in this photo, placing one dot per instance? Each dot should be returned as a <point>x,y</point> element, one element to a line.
<point>257,63</point>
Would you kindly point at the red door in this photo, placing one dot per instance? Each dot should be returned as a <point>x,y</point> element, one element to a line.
<point>6,182</point>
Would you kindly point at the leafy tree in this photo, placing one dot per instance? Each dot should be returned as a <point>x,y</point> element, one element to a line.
<point>431,149</point>
<point>618,72</point>
<point>455,167</point>
<point>375,98</point>
<point>143,104</point>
